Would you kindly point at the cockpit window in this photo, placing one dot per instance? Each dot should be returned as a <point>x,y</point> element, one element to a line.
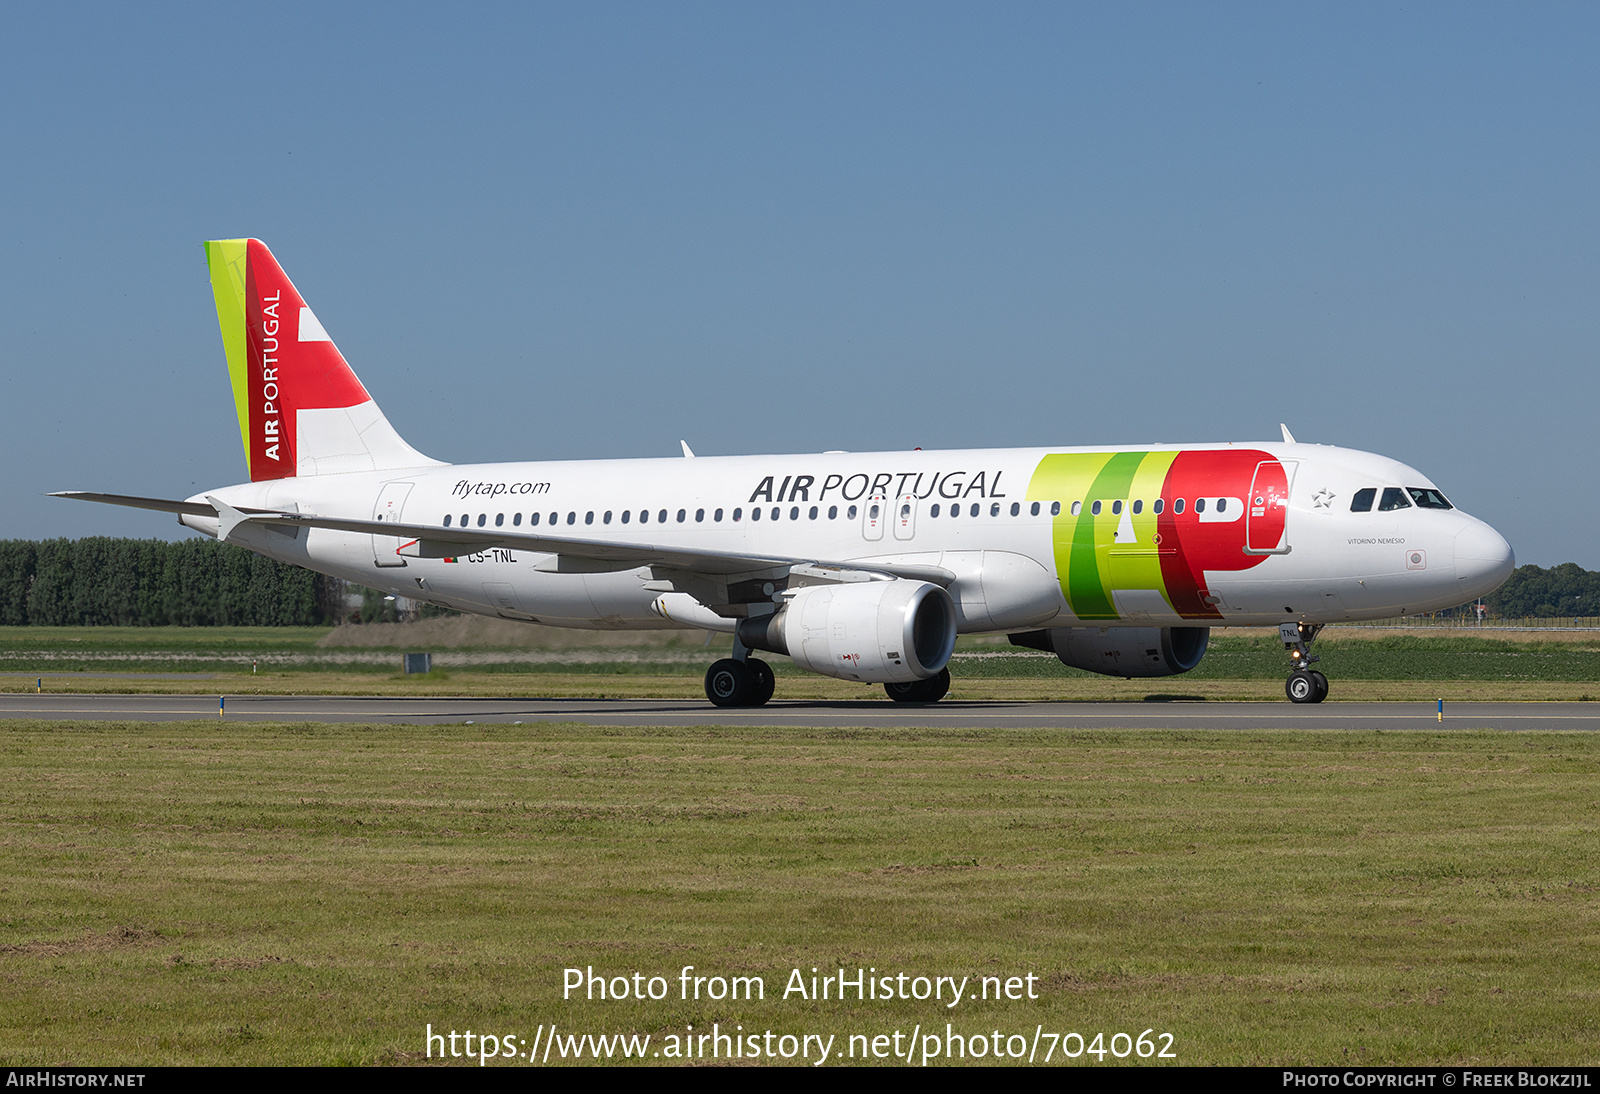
<point>1393,498</point>
<point>1428,498</point>
<point>1362,502</point>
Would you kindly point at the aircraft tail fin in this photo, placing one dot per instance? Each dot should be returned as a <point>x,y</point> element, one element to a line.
<point>301,409</point>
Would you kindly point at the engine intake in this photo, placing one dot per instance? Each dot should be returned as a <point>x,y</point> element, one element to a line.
<point>1122,651</point>
<point>881,632</point>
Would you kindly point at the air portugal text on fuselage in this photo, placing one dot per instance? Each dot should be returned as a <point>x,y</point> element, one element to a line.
<point>1155,521</point>
<point>852,487</point>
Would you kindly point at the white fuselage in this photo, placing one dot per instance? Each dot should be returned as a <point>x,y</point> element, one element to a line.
<point>1009,561</point>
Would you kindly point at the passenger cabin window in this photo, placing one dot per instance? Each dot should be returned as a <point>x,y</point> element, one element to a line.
<point>1055,509</point>
<point>1158,507</point>
<point>533,518</point>
<point>699,516</point>
<point>516,520</point>
<point>661,517</point>
<point>1428,498</point>
<point>813,513</point>
<point>683,515</point>
<point>717,516</point>
<point>850,513</point>
<point>755,514</point>
<point>1177,506</point>
<point>1393,498</point>
<point>627,514</point>
<point>1016,508</point>
<point>1095,508</point>
<point>482,519</point>
<point>447,520</point>
<point>1138,507</point>
<point>644,516</point>
<point>974,510</point>
<point>588,518</point>
<point>994,510</point>
<point>1199,505</point>
<point>934,511</point>
<point>833,512</point>
<point>607,518</point>
<point>738,514</point>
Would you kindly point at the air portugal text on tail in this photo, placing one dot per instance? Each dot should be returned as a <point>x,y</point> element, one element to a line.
<point>301,409</point>
<point>859,566</point>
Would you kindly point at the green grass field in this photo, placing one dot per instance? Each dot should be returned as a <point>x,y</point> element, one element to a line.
<point>195,893</point>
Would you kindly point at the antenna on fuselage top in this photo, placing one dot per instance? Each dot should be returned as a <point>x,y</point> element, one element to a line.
<point>1288,438</point>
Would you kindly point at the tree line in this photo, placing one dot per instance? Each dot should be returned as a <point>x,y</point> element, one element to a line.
<point>101,581</point>
<point>1564,590</point>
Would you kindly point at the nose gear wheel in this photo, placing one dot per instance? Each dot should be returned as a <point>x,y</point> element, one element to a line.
<point>1306,686</point>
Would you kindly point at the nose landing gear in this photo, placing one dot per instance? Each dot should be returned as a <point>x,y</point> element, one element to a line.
<point>1305,684</point>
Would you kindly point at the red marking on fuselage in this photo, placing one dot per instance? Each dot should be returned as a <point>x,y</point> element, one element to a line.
<point>1195,545</point>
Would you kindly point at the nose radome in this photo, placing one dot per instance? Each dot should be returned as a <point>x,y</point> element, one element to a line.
<point>1483,559</point>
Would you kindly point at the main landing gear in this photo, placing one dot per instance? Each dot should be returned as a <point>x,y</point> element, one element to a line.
<point>740,680</point>
<point>745,681</point>
<point>930,690</point>
<point>1305,684</point>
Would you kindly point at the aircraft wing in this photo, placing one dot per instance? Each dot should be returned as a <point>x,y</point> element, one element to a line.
<point>573,553</point>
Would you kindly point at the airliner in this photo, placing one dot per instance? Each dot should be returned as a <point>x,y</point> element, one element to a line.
<point>862,566</point>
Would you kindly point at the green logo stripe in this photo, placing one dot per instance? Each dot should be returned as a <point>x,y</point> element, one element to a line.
<point>1090,562</point>
<point>1088,584</point>
<point>1065,477</point>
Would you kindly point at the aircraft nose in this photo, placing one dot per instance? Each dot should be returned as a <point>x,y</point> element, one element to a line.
<point>1483,559</point>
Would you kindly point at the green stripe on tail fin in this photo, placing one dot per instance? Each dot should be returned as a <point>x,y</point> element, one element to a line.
<point>226,259</point>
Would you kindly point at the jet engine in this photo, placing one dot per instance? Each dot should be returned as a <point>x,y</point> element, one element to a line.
<point>1122,651</point>
<point>882,632</point>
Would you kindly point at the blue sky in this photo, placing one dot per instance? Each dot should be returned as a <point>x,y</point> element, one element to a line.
<point>571,231</point>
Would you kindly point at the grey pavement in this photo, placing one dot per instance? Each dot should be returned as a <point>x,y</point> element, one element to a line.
<point>1173,715</point>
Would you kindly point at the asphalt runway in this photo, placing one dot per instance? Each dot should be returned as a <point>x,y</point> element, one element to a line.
<point>1175,715</point>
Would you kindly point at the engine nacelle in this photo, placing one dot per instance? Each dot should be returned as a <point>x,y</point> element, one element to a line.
<point>1122,651</point>
<point>881,632</point>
